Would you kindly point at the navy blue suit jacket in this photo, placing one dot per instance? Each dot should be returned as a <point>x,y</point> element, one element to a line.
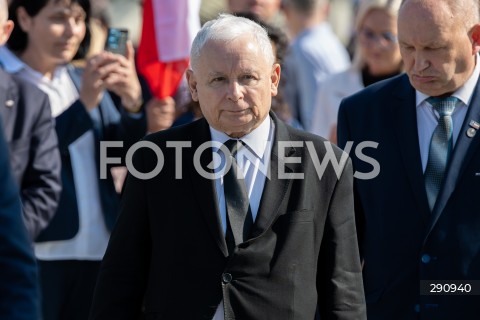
<point>109,124</point>
<point>19,295</point>
<point>402,242</point>
<point>34,157</point>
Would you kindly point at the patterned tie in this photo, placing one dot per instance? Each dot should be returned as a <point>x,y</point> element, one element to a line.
<point>440,147</point>
<point>239,215</point>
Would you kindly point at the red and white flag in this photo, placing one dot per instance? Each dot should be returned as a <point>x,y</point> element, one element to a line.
<point>169,27</point>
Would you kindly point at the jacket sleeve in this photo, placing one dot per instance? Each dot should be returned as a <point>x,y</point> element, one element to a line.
<point>339,280</point>
<point>41,181</point>
<point>344,135</point>
<point>71,125</point>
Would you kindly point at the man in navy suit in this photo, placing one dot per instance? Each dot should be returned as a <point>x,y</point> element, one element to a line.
<point>30,133</point>
<point>19,298</point>
<point>411,238</point>
<point>34,156</point>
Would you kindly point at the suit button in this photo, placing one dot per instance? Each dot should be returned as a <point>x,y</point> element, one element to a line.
<point>426,258</point>
<point>227,278</point>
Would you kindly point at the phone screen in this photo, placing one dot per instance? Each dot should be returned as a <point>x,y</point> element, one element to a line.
<point>117,41</point>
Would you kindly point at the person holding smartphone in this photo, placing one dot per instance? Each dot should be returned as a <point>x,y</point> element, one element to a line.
<point>48,35</point>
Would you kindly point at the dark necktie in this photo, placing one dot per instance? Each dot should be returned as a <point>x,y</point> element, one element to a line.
<point>239,215</point>
<point>440,147</point>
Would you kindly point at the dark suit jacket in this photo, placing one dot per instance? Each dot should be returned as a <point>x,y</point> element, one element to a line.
<point>19,295</point>
<point>109,124</point>
<point>34,157</point>
<point>402,241</point>
<point>168,245</point>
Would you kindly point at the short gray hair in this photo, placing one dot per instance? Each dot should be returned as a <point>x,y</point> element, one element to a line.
<point>228,27</point>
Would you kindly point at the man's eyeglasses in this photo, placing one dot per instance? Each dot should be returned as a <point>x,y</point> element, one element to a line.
<point>386,38</point>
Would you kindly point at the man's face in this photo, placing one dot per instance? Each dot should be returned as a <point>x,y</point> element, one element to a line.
<point>378,44</point>
<point>437,50</point>
<point>265,9</point>
<point>234,84</point>
<point>56,32</point>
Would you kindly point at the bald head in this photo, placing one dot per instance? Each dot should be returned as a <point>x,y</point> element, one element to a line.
<point>461,11</point>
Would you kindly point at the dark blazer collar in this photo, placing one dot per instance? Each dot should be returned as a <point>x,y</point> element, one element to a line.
<point>276,190</point>
<point>204,187</point>
<point>404,121</point>
<point>274,193</point>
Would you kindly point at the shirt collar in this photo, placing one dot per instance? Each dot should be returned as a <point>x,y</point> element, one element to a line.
<point>256,140</point>
<point>464,93</point>
<point>13,64</point>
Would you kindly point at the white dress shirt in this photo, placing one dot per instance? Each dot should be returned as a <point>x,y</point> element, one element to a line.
<point>91,240</point>
<point>253,160</point>
<point>427,117</point>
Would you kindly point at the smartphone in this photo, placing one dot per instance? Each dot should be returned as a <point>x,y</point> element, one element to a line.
<point>117,41</point>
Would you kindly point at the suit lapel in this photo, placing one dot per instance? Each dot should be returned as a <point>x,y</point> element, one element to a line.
<point>204,188</point>
<point>462,153</point>
<point>404,113</point>
<point>274,192</point>
<point>276,189</point>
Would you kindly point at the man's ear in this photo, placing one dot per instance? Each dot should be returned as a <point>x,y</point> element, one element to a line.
<point>192,84</point>
<point>275,78</point>
<point>6,31</point>
<point>475,36</point>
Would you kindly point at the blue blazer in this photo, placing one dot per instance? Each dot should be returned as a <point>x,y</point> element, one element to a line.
<point>109,123</point>
<point>402,242</point>
<point>19,294</point>
<point>30,134</point>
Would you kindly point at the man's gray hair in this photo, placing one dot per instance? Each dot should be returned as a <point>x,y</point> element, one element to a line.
<point>226,28</point>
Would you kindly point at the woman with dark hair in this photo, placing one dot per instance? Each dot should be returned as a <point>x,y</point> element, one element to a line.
<point>48,34</point>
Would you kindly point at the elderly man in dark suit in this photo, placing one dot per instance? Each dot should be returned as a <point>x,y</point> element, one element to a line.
<point>30,133</point>
<point>19,294</point>
<point>194,242</point>
<point>420,236</point>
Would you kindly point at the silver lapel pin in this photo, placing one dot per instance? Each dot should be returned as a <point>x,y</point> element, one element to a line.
<point>474,126</point>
